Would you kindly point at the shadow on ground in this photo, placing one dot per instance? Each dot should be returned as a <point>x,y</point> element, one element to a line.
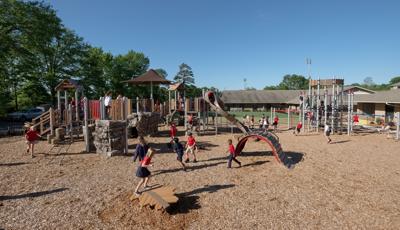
<point>32,194</point>
<point>13,164</point>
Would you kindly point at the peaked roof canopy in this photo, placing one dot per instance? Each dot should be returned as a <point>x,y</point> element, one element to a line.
<point>176,86</point>
<point>150,77</point>
<point>68,84</point>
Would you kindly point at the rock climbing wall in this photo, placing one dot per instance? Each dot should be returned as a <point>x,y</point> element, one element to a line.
<point>110,137</point>
<point>146,123</point>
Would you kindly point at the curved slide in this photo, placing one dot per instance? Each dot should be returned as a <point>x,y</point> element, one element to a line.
<point>271,139</point>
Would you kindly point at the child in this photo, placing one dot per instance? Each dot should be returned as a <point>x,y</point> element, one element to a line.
<point>275,124</point>
<point>141,149</point>
<point>355,119</point>
<point>232,155</point>
<point>266,123</point>
<point>190,147</point>
<point>298,128</point>
<point>31,137</point>
<point>327,133</point>
<point>178,148</point>
<point>143,172</point>
<point>172,133</point>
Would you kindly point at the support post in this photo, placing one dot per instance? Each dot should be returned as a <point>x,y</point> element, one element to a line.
<point>398,126</point>
<point>288,117</point>
<point>65,104</point>
<point>137,104</point>
<point>71,133</point>
<point>348,113</point>
<point>86,128</point>
<point>59,101</point>
<point>351,111</point>
<point>51,113</point>
<point>185,110</point>
<point>341,107</point>
<point>303,113</point>
<point>318,103</point>
<point>76,105</point>
<point>325,106</point>
<point>169,101</point>
<point>333,108</point>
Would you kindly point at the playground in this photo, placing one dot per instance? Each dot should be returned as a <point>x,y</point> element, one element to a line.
<point>343,184</point>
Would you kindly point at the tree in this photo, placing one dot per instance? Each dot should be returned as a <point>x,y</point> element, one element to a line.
<point>95,65</point>
<point>394,80</point>
<point>368,81</point>
<point>291,82</point>
<point>125,67</point>
<point>185,74</point>
<point>162,72</point>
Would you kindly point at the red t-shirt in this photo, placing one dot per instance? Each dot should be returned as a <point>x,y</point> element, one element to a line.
<point>299,125</point>
<point>231,149</point>
<point>173,131</point>
<point>355,118</point>
<point>191,141</point>
<point>32,135</point>
<point>190,119</point>
<point>276,119</point>
<point>146,161</point>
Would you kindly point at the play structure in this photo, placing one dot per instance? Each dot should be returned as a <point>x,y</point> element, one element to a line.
<point>263,135</point>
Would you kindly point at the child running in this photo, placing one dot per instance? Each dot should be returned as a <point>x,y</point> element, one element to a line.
<point>298,128</point>
<point>232,155</point>
<point>178,148</point>
<point>143,171</point>
<point>31,137</point>
<point>327,133</point>
<point>172,133</point>
<point>190,147</point>
<point>141,149</point>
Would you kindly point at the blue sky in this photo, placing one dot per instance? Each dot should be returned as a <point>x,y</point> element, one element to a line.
<point>227,41</point>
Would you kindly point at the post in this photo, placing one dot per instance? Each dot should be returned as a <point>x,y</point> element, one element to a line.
<point>398,126</point>
<point>65,104</point>
<point>333,108</point>
<point>71,133</point>
<point>124,117</point>
<point>318,103</point>
<point>351,110</point>
<point>76,105</point>
<point>348,113</point>
<point>341,107</point>
<point>137,104</point>
<point>102,109</point>
<point>51,112</point>
<point>288,117</point>
<point>303,114</point>
<point>86,128</point>
<point>325,106</point>
<point>184,107</point>
<point>59,101</point>
<point>151,90</point>
<point>310,99</point>
<point>270,117</point>
<point>216,123</point>
<point>169,101</point>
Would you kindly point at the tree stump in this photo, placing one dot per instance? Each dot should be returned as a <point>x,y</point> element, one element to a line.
<point>159,198</point>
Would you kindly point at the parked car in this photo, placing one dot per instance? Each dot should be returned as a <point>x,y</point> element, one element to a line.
<point>25,115</point>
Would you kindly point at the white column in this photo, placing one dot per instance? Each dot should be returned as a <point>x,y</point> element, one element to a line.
<point>86,129</point>
<point>348,114</point>
<point>325,106</point>
<point>333,108</point>
<point>288,117</point>
<point>76,105</point>
<point>318,103</point>
<point>398,126</point>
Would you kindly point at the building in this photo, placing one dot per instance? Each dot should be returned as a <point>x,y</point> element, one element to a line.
<point>261,100</point>
<point>380,105</point>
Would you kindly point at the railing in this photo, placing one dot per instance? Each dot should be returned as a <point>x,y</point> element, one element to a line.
<point>46,122</point>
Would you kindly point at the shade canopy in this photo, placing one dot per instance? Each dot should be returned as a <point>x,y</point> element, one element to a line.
<point>176,86</point>
<point>68,84</point>
<point>150,77</point>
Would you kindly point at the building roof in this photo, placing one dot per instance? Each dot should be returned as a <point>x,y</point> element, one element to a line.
<point>68,84</point>
<point>358,88</point>
<point>261,96</point>
<point>395,84</point>
<point>388,96</point>
<point>149,77</point>
<point>176,86</point>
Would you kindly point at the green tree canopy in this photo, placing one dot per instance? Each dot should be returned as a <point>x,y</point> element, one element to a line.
<point>394,80</point>
<point>185,74</point>
<point>291,82</point>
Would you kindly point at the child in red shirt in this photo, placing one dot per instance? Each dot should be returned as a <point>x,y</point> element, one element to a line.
<point>190,147</point>
<point>232,155</point>
<point>298,128</point>
<point>355,119</point>
<point>143,172</point>
<point>275,124</point>
<point>31,137</point>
